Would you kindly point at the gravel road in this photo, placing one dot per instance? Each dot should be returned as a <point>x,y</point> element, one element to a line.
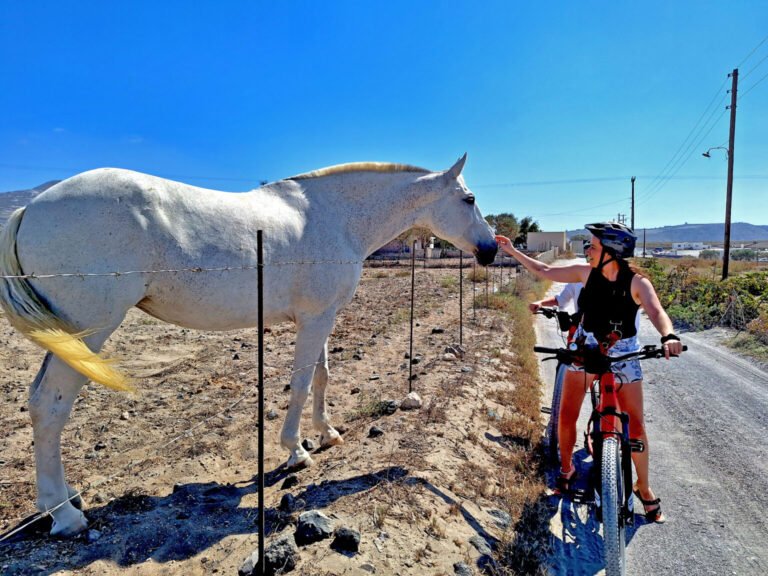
<point>706,415</point>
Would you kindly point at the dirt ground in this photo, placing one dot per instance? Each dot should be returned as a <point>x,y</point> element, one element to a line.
<point>168,473</point>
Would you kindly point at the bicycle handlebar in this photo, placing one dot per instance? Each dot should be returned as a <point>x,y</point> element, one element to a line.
<point>568,356</point>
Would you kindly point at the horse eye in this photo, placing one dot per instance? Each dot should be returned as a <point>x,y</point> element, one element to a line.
<point>469,200</point>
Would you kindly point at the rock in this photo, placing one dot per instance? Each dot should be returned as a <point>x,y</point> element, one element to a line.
<point>100,446</point>
<point>411,402</point>
<point>406,355</point>
<point>389,407</point>
<point>374,377</point>
<point>416,359</point>
<point>455,349</point>
<point>235,356</point>
<point>375,432</point>
<point>93,535</point>
<point>290,481</point>
<point>481,545</point>
<point>461,569</point>
<point>368,567</point>
<point>271,414</point>
<point>466,369</point>
<point>357,356</point>
<point>287,388</point>
<point>313,526</point>
<point>125,416</point>
<point>502,519</point>
<point>448,357</point>
<point>308,444</point>
<point>438,330</point>
<point>100,498</point>
<point>346,540</point>
<point>280,557</point>
<point>337,349</point>
<point>355,390</point>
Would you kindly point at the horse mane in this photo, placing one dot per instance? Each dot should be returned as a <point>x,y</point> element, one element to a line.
<point>359,167</point>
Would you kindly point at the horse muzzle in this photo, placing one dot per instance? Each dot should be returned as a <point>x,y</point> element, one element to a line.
<point>486,253</point>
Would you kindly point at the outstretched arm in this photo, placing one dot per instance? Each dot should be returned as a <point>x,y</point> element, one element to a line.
<point>570,273</point>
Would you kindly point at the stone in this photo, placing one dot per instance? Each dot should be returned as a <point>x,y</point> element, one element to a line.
<point>308,444</point>
<point>93,535</point>
<point>389,407</point>
<point>125,416</point>
<point>368,567</point>
<point>462,569</point>
<point>503,519</point>
<point>280,557</point>
<point>375,432</point>
<point>271,414</point>
<point>448,357</point>
<point>481,545</point>
<point>466,369</point>
<point>290,481</point>
<point>313,526</point>
<point>346,540</point>
<point>355,390</point>
<point>438,330</point>
<point>411,402</point>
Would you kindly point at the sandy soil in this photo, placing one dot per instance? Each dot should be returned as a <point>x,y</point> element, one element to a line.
<point>170,472</point>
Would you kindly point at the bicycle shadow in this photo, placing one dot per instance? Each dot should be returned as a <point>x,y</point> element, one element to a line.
<point>577,538</point>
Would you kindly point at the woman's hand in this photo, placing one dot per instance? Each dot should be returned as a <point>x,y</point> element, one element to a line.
<point>534,306</point>
<point>504,243</point>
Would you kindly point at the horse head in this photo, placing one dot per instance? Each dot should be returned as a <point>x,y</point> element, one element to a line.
<point>456,217</point>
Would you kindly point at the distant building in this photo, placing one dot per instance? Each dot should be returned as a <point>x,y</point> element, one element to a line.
<point>689,246</point>
<point>543,241</point>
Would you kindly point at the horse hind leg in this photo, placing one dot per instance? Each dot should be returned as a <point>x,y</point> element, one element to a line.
<point>311,336</point>
<point>51,397</point>
<point>50,402</point>
<point>329,436</point>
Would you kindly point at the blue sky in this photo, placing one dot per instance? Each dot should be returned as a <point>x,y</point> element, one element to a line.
<point>558,104</point>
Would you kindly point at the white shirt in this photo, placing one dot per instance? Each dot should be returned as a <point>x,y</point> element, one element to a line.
<point>568,297</point>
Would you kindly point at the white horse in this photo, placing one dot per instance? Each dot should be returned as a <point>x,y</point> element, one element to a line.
<point>318,229</point>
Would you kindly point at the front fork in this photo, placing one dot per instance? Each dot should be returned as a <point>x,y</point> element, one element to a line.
<point>612,421</point>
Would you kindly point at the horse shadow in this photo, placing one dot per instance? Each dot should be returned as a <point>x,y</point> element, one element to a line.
<point>137,527</point>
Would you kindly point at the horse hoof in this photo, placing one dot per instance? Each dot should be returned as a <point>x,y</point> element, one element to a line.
<point>328,441</point>
<point>299,463</point>
<point>73,524</point>
<point>74,498</point>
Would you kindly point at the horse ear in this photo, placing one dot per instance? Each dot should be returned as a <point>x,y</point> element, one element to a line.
<point>455,170</point>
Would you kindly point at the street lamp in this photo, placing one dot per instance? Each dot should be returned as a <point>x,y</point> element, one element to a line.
<point>728,193</point>
<point>707,153</point>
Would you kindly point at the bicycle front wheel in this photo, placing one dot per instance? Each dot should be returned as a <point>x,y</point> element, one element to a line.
<point>553,440</point>
<point>612,500</point>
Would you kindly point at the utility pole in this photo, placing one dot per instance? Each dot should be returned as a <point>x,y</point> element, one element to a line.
<point>633,203</point>
<point>729,189</point>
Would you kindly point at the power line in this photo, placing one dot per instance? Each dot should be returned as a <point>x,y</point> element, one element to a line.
<point>753,51</point>
<point>750,88</point>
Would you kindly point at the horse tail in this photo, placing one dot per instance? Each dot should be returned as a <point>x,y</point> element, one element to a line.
<point>34,319</point>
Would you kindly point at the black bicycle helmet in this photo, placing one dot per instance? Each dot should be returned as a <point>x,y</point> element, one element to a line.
<point>616,237</point>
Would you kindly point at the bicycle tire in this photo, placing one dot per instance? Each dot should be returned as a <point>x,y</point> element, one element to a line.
<point>612,500</point>
<point>553,440</point>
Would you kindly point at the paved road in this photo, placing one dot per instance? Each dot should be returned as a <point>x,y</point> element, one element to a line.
<point>707,418</point>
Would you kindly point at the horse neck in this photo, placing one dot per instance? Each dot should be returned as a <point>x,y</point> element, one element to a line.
<point>380,207</point>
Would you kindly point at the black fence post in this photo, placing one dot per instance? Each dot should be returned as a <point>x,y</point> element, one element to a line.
<point>260,308</point>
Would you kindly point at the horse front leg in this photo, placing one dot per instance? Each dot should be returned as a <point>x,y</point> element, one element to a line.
<point>329,436</point>
<point>311,336</point>
<point>50,402</point>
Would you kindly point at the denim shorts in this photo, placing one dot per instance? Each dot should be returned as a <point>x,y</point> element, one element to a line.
<point>624,372</point>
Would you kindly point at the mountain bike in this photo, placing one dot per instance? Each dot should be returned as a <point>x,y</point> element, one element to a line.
<point>567,326</point>
<point>609,444</point>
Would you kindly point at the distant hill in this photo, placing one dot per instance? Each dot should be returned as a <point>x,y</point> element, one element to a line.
<point>712,233</point>
<point>9,201</point>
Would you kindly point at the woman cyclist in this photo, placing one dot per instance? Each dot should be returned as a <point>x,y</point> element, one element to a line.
<point>612,294</point>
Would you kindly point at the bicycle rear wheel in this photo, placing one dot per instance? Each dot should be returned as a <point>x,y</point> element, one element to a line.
<point>612,500</point>
<point>553,440</point>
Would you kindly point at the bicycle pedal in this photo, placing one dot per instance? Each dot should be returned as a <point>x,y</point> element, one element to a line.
<point>546,410</point>
<point>581,496</point>
<point>636,445</point>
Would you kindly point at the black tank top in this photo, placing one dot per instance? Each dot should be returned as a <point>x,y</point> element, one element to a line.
<point>608,306</point>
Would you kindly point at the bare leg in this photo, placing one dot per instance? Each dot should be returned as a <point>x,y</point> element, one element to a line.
<point>328,435</point>
<point>631,401</point>
<point>574,390</point>
<point>311,338</point>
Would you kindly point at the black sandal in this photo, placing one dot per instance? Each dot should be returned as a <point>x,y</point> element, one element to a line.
<point>655,515</point>
<point>564,482</point>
